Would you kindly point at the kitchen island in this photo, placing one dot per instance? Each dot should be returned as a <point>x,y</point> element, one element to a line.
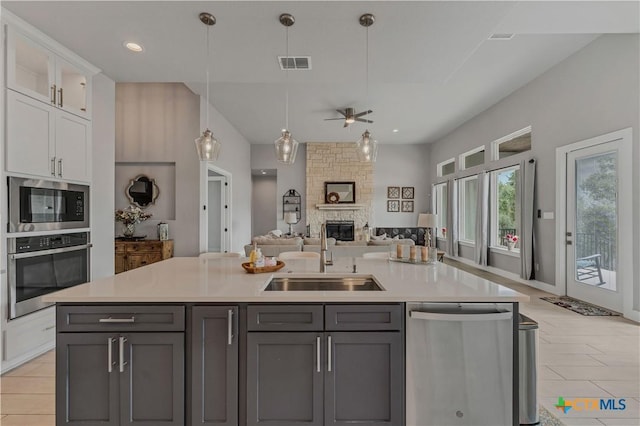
<point>196,341</point>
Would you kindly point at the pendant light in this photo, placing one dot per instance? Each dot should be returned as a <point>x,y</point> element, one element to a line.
<point>367,148</point>
<point>207,145</point>
<point>286,146</point>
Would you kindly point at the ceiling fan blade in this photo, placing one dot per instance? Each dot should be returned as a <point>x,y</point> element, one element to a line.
<point>329,119</point>
<point>362,120</point>
<point>344,113</point>
<point>346,124</point>
<point>360,114</point>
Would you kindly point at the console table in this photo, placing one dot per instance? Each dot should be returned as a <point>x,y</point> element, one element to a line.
<point>134,254</point>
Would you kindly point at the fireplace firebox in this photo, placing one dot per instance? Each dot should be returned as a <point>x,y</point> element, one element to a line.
<point>341,230</point>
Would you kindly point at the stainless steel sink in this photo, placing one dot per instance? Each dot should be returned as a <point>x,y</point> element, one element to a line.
<point>323,283</point>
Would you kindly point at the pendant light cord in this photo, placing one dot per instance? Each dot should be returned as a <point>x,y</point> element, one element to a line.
<point>367,68</point>
<point>207,67</point>
<point>286,73</point>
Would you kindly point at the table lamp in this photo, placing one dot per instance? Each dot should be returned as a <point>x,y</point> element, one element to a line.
<point>290,218</point>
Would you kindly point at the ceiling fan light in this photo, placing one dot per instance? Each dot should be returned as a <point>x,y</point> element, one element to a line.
<point>367,148</point>
<point>208,146</point>
<point>350,120</point>
<point>286,148</point>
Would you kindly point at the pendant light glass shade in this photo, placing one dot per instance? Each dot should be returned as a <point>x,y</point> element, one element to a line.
<point>367,148</point>
<point>286,148</point>
<point>208,146</point>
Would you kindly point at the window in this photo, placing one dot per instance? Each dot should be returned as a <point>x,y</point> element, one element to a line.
<point>446,167</point>
<point>505,208</point>
<point>467,203</point>
<point>472,158</point>
<point>441,208</point>
<point>512,144</point>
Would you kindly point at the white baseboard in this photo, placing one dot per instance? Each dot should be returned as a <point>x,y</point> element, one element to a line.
<point>510,275</point>
<point>18,361</point>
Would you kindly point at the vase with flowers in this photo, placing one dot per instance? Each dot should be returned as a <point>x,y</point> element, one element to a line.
<point>511,241</point>
<point>130,217</point>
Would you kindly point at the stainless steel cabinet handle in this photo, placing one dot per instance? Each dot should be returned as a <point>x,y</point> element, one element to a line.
<point>230,327</point>
<point>110,341</point>
<point>329,353</point>
<point>60,167</point>
<point>60,102</point>
<point>121,353</point>
<point>53,166</point>
<point>14,256</point>
<point>493,316</point>
<point>53,94</point>
<point>118,320</point>
<point>318,354</point>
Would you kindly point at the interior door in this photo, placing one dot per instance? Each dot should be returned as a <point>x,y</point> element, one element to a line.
<point>215,194</point>
<point>593,240</point>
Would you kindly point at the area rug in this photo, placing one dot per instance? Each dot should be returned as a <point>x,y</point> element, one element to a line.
<point>548,419</point>
<point>583,308</point>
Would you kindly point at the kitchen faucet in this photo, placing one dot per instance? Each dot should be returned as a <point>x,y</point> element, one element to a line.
<point>323,248</point>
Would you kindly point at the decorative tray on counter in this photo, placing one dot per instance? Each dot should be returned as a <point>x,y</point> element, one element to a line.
<point>253,270</point>
<point>415,262</point>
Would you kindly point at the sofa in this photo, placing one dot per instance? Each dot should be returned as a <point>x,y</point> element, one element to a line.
<point>272,246</point>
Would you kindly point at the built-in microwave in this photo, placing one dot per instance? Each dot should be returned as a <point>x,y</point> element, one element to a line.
<point>41,205</point>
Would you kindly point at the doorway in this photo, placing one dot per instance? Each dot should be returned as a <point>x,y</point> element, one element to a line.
<point>215,218</point>
<point>597,220</point>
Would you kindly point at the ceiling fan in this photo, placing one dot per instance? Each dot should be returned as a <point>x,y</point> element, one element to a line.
<point>350,116</point>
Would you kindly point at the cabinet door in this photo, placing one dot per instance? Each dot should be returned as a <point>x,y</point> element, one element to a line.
<point>73,155</point>
<point>30,67</point>
<point>215,366</point>
<point>364,379</point>
<point>152,384</point>
<point>136,260</point>
<point>73,86</point>
<point>86,383</point>
<point>30,138</point>
<point>284,379</point>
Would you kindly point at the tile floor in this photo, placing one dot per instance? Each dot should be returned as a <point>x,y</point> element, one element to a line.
<point>580,356</point>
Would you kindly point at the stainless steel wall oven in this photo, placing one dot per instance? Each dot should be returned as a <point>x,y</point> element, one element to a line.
<point>38,265</point>
<point>41,205</point>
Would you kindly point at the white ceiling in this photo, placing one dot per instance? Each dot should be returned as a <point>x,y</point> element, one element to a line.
<point>431,67</point>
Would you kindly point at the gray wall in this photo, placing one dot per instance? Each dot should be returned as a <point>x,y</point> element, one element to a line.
<point>288,177</point>
<point>157,123</point>
<point>593,92</point>
<point>401,165</point>
<point>264,205</point>
<point>102,190</point>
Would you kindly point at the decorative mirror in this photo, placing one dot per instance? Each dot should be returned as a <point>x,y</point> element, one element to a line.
<point>142,191</point>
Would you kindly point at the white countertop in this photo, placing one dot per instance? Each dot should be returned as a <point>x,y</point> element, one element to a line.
<point>191,279</point>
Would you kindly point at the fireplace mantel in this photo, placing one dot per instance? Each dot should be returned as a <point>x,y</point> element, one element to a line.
<point>340,206</point>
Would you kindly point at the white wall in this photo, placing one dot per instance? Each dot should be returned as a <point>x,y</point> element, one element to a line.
<point>234,158</point>
<point>103,176</point>
<point>288,177</point>
<point>400,165</point>
<point>593,92</point>
<point>264,204</point>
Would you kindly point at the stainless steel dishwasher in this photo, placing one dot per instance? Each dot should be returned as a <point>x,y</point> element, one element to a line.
<point>459,364</point>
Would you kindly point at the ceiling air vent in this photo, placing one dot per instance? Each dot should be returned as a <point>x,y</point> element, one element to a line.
<point>295,62</point>
<point>501,36</point>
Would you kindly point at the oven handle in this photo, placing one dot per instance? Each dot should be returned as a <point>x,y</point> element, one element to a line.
<point>13,256</point>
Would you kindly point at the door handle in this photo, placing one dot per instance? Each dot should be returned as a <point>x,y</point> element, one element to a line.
<point>121,353</point>
<point>329,353</point>
<point>60,102</point>
<point>110,362</point>
<point>318,354</point>
<point>53,166</point>
<point>60,167</point>
<point>230,327</point>
<point>53,94</point>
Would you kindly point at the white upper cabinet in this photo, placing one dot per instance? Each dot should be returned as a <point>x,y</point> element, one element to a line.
<point>38,72</point>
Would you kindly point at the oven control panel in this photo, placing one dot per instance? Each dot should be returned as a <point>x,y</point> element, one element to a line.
<point>47,242</point>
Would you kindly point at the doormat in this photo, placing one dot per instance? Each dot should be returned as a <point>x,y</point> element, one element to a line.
<point>583,308</point>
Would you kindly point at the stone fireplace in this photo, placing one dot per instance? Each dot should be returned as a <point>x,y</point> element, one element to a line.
<point>337,162</point>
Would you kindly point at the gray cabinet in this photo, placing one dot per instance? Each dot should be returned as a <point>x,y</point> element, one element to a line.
<point>214,360</point>
<point>327,375</point>
<point>106,376</point>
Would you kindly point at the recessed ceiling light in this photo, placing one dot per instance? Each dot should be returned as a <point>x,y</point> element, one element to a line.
<point>134,47</point>
<point>501,36</point>
<point>395,130</point>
